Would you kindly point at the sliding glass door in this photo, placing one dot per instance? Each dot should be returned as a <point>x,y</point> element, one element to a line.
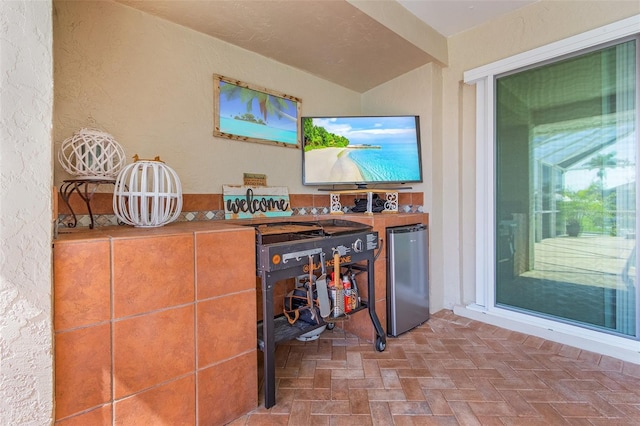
<point>566,165</point>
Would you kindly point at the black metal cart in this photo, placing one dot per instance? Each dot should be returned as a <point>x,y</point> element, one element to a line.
<point>284,250</point>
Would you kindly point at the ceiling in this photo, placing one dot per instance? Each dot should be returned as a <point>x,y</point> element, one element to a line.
<point>356,44</point>
<point>450,17</point>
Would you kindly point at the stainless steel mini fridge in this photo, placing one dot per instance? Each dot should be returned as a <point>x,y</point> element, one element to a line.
<point>407,278</point>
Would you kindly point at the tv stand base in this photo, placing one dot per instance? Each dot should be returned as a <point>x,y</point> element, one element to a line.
<point>390,205</point>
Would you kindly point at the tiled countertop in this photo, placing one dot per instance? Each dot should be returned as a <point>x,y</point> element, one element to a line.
<point>125,231</point>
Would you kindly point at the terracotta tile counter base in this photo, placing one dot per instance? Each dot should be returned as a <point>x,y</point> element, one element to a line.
<point>152,325</point>
<point>158,325</point>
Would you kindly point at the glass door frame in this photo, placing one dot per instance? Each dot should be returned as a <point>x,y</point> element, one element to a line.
<point>484,80</point>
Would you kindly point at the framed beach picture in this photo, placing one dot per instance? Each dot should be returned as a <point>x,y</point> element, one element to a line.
<point>247,113</point>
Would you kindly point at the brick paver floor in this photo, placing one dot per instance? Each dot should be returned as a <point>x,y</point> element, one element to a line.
<point>449,371</point>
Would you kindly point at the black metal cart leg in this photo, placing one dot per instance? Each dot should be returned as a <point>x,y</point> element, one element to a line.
<point>381,339</point>
<point>268,335</point>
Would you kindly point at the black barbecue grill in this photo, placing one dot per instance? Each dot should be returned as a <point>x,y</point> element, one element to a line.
<point>283,250</point>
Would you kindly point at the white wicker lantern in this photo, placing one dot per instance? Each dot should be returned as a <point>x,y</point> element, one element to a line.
<point>91,153</point>
<point>147,194</point>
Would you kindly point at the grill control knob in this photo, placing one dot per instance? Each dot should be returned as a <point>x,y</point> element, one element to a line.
<point>357,246</point>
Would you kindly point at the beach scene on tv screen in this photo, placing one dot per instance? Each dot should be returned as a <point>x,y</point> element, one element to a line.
<point>361,149</point>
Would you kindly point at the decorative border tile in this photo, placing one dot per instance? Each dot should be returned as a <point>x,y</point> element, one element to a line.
<point>64,220</point>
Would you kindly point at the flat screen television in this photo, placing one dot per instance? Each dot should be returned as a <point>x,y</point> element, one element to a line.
<point>361,151</point>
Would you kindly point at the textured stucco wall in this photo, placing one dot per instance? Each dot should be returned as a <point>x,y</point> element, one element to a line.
<point>26,100</point>
<point>149,83</point>
<point>419,92</point>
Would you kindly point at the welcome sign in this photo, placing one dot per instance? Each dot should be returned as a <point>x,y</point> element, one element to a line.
<point>245,202</point>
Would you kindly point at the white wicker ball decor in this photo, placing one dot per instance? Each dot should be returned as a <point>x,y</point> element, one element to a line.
<point>147,194</point>
<point>91,153</point>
